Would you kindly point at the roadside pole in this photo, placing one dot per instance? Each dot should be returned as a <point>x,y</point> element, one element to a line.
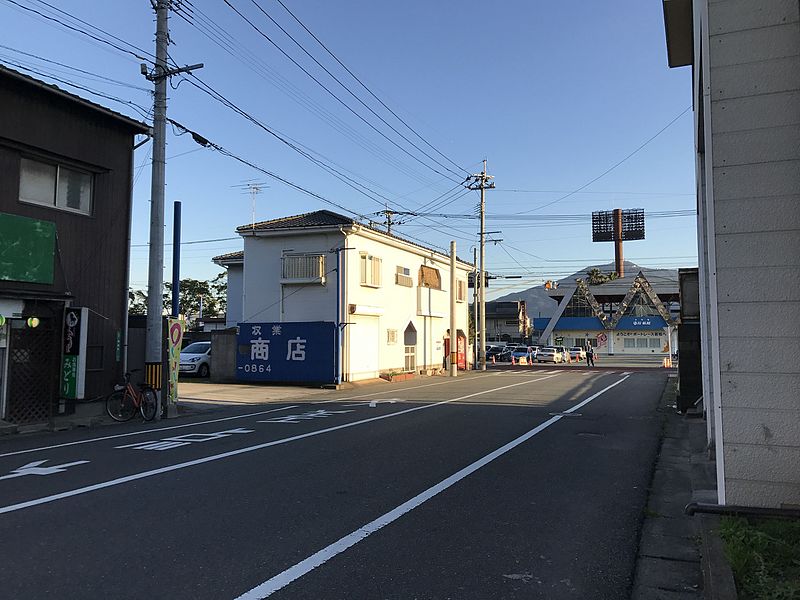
<point>453,330</point>
<point>154,338</point>
<point>481,182</point>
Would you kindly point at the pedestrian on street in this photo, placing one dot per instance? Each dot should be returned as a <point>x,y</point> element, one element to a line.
<point>589,356</point>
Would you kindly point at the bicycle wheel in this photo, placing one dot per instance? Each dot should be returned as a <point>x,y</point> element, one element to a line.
<point>120,406</point>
<point>149,404</point>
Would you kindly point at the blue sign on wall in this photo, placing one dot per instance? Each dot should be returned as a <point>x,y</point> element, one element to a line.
<point>653,323</point>
<point>286,352</point>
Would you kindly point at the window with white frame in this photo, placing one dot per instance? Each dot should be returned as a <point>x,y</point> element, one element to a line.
<point>461,290</point>
<point>370,270</point>
<point>391,336</point>
<point>655,342</point>
<point>55,185</point>
<point>630,342</point>
<point>641,342</point>
<point>303,268</point>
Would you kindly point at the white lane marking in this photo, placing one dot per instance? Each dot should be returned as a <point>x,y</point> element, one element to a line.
<point>206,459</point>
<point>320,413</point>
<point>408,389</point>
<point>626,372</point>
<point>184,440</point>
<point>33,468</point>
<point>148,431</point>
<point>374,403</point>
<point>286,577</point>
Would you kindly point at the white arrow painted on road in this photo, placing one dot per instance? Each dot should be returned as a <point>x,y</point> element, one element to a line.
<point>374,403</point>
<point>33,468</point>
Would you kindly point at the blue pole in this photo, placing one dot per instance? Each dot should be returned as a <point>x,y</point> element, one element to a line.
<point>176,259</point>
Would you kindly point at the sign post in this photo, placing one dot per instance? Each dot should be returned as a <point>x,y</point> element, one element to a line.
<point>73,363</point>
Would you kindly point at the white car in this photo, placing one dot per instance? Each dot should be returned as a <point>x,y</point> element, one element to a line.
<point>196,359</point>
<point>548,354</point>
<point>577,353</point>
<point>565,356</point>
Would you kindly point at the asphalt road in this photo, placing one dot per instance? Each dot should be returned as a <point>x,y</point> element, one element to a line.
<point>505,484</point>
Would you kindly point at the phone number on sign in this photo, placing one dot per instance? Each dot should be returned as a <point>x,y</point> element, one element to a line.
<point>252,368</point>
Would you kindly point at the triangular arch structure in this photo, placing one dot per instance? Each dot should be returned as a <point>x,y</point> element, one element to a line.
<point>579,298</point>
<point>641,297</point>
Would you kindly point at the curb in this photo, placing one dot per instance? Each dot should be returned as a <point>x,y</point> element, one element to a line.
<point>718,581</point>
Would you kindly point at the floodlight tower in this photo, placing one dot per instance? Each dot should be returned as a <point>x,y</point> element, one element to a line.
<point>617,226</point>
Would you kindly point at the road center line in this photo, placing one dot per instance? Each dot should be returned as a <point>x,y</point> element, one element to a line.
<point>283,579</point>
<point>206,459</point>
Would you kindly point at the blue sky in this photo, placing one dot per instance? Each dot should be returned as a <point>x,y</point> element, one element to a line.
<point>551,94</point>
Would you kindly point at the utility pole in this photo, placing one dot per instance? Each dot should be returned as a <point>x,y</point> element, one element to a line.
<point>481,181</point>
<point>475,306</point>
<point>453,324</point>
<point>155,276</point>
<point>388,214</point>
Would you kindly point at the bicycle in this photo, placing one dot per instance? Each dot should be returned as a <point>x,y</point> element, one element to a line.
<point>122,403</point>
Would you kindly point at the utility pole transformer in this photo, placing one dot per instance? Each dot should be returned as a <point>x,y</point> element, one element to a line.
<point>155,276</point>
<point>481,181</point>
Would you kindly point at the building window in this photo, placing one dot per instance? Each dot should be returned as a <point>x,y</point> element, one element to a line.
<point>430,278</point>
<point>630,342</point>
<point>55,185</point>
<point>303,268</point>
<point>641,342</point>
<point>655,342</point>
<point>461,290</point>
<point>391,336</point>
<point>370,270</point>
<point>411,359</point>
<point>403,277</point>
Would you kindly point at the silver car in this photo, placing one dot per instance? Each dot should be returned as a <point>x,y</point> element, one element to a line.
<point>196,359</point>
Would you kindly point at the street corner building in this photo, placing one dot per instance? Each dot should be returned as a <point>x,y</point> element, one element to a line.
<point>65,213</point>
<point>745,61</point>
<point>375,302</point>
<point>628,315</point>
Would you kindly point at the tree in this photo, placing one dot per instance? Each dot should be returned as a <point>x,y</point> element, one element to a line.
<point>596,277</point>
<point>212,294</point>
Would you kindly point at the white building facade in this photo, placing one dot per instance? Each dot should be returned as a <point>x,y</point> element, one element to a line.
<point>745,59</point>
<point>390,296</point>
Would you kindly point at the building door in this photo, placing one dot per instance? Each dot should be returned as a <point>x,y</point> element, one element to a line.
<point>364,348</point>
<point>410,346</point>
<point>32,375</point>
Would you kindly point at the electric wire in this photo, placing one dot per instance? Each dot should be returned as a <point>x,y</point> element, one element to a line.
<point>333,95</point>
<point>349,91</point>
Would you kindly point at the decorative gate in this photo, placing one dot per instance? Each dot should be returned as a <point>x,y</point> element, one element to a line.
<point>32,374</point>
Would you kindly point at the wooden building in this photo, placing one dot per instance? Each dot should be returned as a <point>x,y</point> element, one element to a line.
<point>65,212</point>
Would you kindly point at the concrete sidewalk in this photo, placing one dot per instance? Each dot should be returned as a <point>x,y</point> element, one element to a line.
<point>680,557</point>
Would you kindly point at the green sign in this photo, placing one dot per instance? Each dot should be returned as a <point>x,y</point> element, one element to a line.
<point>27,249</point>
<point>69,376</point>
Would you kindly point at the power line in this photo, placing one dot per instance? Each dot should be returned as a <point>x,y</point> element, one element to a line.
<point>332,94</point>
<point>614,166</point>
<point>349,91</point>
<point>353,75</point>
<point>224,40</point>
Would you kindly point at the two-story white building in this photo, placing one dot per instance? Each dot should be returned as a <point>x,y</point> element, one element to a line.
<point>390,296</point>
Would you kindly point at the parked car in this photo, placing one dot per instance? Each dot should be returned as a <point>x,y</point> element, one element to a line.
<point>577,353</point>
<point>520,351</point>
<point>565,357</point>
<point>548,354</point>
<point>196,359</point>
<point>505,355</point>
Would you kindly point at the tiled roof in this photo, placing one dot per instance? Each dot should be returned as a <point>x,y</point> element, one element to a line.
<point>137,126</point>
<point>327,218</point>
<point>230,256</point>
<point>319,218</point>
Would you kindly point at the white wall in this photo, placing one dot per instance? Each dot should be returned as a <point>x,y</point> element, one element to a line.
<point>428,310</point>
<point>367,349</point>
<point>233,313</point>
<point>301,302</point>
<point>754,63</point>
